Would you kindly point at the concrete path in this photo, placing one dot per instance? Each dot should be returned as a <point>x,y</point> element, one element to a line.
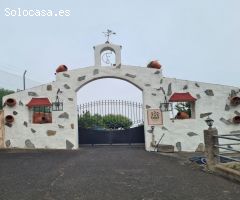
<point>104,173</point>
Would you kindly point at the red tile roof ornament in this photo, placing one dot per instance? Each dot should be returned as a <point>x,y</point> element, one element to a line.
<point>36,102</point>
<point>182,97</point>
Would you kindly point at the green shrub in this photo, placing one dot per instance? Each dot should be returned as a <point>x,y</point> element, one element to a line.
<point>110,121</point>
<point>116,122</point>
<point>4,92</point>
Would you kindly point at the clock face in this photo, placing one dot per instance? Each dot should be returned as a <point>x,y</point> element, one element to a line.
<point>108,58</point>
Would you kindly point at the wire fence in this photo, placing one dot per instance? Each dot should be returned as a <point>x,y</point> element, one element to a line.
<point>13,81</point>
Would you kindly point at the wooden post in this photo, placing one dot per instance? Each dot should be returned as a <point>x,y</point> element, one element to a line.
<point>210,150</point>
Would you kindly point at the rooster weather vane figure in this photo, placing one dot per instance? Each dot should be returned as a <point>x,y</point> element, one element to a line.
<point>108,34</point>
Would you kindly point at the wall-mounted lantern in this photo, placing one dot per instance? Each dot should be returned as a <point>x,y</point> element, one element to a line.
<point>165,106</point>
<point>57,105</point>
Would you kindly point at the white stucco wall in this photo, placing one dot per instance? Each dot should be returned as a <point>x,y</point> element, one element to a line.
<point>185,135</point>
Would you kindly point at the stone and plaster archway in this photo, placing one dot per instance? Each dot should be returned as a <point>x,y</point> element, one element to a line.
<point>130,74</point>
<point>62,132</point>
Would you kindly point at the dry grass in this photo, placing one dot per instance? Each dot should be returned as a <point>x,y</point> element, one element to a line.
<point>233,165</point>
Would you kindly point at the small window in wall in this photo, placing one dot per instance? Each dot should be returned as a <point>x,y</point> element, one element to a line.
<point>183,106</point>
<point>183,110</point>
<point>41,115</point>
<point>40,110</point>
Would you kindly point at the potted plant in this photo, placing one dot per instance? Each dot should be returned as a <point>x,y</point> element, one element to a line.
<point>184,110</point>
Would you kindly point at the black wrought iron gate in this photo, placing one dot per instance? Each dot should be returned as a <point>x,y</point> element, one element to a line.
<point>128,136</point>
<point>93,128</point>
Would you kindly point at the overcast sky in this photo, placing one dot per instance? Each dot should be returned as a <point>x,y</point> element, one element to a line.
<point>193,40</point>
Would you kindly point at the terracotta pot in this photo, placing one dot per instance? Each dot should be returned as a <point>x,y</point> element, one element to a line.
<point>235,101</point>
<point>61,68</point>
<point>48,117</point>
<point>38,117</point>
<point>9,119</point>
<point>236,120</point>
<point>182,115</point>
<point>10,102</point>
<point>154,64</point>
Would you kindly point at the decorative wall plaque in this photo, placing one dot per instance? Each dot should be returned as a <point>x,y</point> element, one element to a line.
<point>154,117</point>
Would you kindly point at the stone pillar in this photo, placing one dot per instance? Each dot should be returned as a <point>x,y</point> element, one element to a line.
<point>210,150</point>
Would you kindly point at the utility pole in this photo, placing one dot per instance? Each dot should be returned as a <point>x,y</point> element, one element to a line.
<point>24,79</point>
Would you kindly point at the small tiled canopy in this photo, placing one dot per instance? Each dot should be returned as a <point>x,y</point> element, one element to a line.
<point>35,102</point>
<point>182,97</point>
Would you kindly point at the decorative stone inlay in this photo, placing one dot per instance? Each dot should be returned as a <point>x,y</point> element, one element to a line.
<point>209,92</point>
<point>66,75</point>
<point>64,115</point>
<point>60,126</point>
<point>33,94</point>
<point>202,115</point>
<point>164,128</point>
<point>198,96</point>
<point>49,87</point>
<point>51,132</point>
<point>69,145</point>
<point>150,131</point>
<point>237,113</point>
<point>15,112</point>
<point>8,125</point>
<point>25,123</point>
<point>29,144</point>
<point>147,85</point>
<point>197,85</point>
<point>70,99</point>
<point>66,86</point>
<point>200,148</point>
<point>233,93</point>
<point>157,72</point>
<point>233,132</point>
<point>227,107</point>
<point>95,71</point>
<point>33,131</point>
<point>190,134</point>
<point>227,122</point>
<point>169,89</point>
<point>81,78</point>
<point>161,81</point>
<point>8,143</point>
<point>72,126</point>
<point>154,94</point>
<point>20,103</point>
<point>130,75</point>
<point>147,106</point>
<point>185,87</point>
<point>179,146</point>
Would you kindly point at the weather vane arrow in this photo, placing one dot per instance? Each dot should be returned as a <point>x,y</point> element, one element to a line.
<point>107,34</point>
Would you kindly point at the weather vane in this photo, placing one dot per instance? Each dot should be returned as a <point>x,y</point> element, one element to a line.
<point>108,34</point>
